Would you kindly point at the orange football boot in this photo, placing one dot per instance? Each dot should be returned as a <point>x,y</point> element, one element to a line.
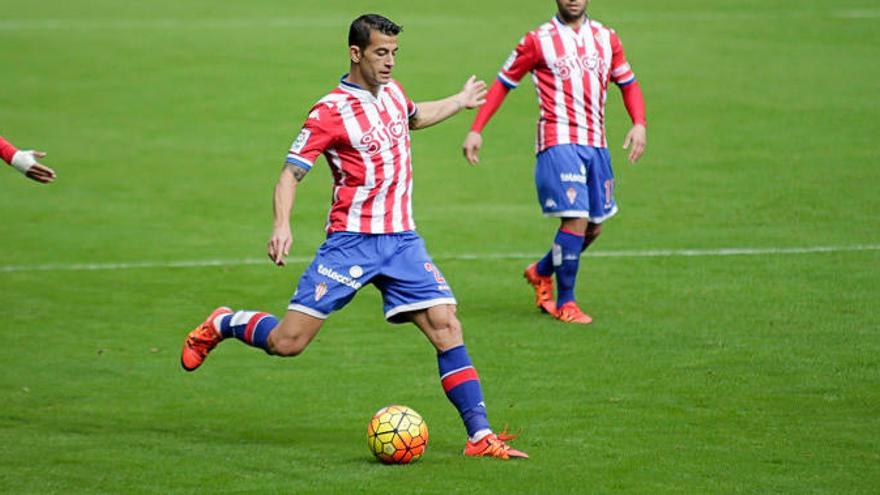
<point>571,313</point>
<point>492,446</point>
<point>543,289</point>
<point>200,341</point>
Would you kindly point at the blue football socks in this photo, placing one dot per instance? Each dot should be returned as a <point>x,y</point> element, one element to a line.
<point>462,387</point>
<point>544,266</point>
<point>566,258</point>
<point>250,327</point>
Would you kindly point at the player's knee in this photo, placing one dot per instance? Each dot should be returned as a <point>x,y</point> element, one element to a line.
<point>576,225</point>
<point>594,230</point>
<point>453,326</point>
<point>440,317</point>
<point>443,329</point>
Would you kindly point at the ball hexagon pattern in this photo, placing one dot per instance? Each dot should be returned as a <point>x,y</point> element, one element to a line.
<point>397,435</point>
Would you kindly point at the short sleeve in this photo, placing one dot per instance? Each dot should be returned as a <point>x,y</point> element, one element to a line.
<point>316,136</point>
<point>410,105</point>
<point>523,59</point>
<point>621,72</point>
<point>411,108</point>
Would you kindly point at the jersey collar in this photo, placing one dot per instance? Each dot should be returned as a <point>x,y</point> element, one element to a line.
<point>562,25</point>
<point>357,90</point>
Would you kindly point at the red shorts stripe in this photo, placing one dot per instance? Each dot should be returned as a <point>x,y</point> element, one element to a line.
<point>456,379</point>
<point>251,325</point>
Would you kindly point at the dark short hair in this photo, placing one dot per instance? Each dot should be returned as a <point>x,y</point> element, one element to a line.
<point>359,32</point>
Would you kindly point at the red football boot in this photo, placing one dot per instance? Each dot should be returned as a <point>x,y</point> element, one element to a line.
<point>571,313</point>
<point>492,446</point>
<point>543,289</point>
<point>201,341</point>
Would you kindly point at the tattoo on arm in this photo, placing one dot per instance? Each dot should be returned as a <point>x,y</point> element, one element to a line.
<point>298,172</point>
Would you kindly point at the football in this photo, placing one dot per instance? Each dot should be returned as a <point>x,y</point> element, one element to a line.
<point>397,435</point>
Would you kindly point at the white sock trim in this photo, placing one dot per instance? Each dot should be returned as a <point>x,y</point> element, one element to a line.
<point>480,435</point>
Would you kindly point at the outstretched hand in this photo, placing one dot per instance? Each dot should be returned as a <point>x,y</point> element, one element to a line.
<point>26,162</point>
<point>473,94</point>
<point>638,138</point>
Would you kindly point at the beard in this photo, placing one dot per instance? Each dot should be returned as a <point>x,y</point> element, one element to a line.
<point>568,16</point>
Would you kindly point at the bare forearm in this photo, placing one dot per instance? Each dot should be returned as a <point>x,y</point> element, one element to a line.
<point>434,112</point>
<point>285,194</point>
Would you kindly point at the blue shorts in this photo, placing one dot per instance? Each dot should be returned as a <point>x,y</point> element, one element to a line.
<point>397,264</point>
<point>575,181</point>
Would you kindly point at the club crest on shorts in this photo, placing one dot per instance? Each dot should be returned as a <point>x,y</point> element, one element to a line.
<point>320,291</point>
<point>572,194</point>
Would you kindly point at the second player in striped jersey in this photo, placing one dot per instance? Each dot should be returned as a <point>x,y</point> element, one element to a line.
<point>572,60</point>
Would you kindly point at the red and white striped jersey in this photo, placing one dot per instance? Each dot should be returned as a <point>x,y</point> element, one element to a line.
<point>366,141</point>
<point>571,71</point>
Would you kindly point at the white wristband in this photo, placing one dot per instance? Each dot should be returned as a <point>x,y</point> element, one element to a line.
<point>23,160</point>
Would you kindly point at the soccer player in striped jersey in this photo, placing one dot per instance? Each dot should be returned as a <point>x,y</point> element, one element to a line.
<point>362,128</point>
<point>25,161</point>
<point>572,59</point>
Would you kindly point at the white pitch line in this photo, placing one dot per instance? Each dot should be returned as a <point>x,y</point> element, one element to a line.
<point>649,253</point>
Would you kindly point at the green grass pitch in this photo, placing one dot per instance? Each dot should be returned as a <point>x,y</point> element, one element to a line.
<point>168,121</point>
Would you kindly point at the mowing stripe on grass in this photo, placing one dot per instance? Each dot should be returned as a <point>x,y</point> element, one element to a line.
<point>649,253</point>
<point>335,21</point>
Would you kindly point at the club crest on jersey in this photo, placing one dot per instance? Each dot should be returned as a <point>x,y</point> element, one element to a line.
<point>572,194</point>
<point>381,136</point>
<point>320,291</point>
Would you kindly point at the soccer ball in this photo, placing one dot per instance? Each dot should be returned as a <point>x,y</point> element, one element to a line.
<point>397,435</point>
